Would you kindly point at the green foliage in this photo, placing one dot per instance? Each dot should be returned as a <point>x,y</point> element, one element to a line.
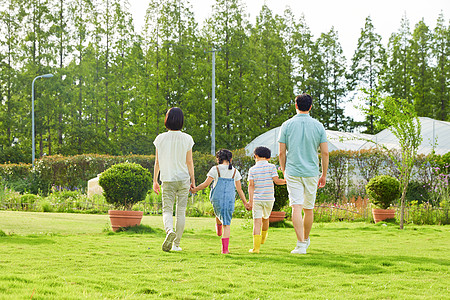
<point>125,184</point>
<point>383,190</point>
<point>74,171</point>
<point>28,200</point>
<point>281,194</point>
<point>417,191</point>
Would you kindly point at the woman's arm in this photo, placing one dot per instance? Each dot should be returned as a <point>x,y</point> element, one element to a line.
<point>155,174</point>
<point>190,165</point>
<point>203,185</point>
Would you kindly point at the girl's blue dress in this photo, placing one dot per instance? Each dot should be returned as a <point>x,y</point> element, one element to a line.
<point>222,197</point>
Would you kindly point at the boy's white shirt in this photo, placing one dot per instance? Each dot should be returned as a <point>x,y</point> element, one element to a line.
<point>224,173</point>
<point>172,148</point>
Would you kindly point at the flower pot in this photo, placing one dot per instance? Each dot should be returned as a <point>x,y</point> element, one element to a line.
<point>124,218</point>
<point>277,216</point>
<point>382,214</point>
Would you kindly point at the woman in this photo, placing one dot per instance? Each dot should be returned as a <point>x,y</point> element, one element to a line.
<point>175,165</point>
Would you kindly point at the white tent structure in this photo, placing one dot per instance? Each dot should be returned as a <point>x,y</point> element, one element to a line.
<point>432,130</point>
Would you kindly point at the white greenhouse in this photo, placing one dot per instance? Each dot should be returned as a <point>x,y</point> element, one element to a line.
<point>432,130</point>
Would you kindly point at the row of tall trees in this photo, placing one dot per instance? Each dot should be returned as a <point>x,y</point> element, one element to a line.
<point>113,84</point>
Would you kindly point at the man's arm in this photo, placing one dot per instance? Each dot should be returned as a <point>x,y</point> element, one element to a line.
<point>325,157</point>
<point>282,156</point>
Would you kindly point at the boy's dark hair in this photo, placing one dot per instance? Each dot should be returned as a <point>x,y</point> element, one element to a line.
<point>174,119</point>
<point>304,102</point>
<point>262,152</point>
<point>224,154</point>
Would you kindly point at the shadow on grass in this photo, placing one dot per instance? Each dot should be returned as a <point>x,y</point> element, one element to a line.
<point>356,264</point>
<point>139,229</point>
<point>25,240</point>
<point>281,224</point>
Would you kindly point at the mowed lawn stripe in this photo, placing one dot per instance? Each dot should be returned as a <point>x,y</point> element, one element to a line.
<point>61,260</point>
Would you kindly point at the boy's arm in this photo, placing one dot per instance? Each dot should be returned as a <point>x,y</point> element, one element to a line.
<point>251,191</point>
<point>203,185</point>
<point>278,181</point>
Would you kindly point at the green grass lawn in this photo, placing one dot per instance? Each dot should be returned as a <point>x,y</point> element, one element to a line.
<point>75,256</point>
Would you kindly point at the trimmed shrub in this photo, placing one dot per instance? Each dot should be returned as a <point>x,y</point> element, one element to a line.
<point>383,190</point>
<point>125,184</point>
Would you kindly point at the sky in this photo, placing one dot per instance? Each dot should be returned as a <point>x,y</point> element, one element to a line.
<point>347,17</point>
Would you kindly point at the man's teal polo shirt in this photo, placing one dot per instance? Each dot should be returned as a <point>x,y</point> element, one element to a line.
<point>302,136</point>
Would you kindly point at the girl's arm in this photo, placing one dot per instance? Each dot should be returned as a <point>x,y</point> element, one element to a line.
<point>202,186</point>
<point>155,174</point>
<point>190,165</point>
<point>241,193</point>
<point>251,191</point>
<point>278,181</point>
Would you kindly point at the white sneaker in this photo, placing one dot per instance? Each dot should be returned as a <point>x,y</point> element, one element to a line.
<point>308,241</point>
<point>176,248</point>
<point>167,245</point>
<point>300,249</point>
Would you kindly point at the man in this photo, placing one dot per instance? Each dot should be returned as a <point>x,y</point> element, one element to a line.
<point>300,138</point>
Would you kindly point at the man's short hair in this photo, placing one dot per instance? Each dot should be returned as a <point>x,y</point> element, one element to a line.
<point>174,119</point>
<point>304,102</point>
<point>262,152</point>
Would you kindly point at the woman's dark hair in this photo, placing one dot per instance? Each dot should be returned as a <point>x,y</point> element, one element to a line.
<point>262,152</point>
<point>224,154</point>
<point>304,102</point>
<point>174,119</point>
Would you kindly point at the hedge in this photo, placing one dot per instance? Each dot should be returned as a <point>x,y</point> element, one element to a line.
<point>73,172</point>
<point>348,173</point>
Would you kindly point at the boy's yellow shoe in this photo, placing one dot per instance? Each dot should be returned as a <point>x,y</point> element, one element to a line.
<point>264,236</point>
<point>256,244</point>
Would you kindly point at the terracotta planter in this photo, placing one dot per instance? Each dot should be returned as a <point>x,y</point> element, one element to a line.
<point>277,216</point>
<point>124,218</point>
<point>382,214</point>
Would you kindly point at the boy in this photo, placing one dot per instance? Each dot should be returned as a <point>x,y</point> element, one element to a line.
<point>261,193</point>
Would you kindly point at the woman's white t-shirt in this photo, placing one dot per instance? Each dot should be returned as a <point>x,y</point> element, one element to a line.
<point>172,147</point>
<point>224,172</point>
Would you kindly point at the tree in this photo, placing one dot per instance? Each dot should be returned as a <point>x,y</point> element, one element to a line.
<point>334,82</point>
<point>421,70</point>
<point>368,62</point>
<point>441,54</point>
<point>401,118</point>
<point>397,74</point>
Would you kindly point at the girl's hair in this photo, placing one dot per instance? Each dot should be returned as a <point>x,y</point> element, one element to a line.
<point>224,154</point>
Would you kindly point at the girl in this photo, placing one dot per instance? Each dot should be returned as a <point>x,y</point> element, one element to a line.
<point>174,160</point>
<point>226,182</point>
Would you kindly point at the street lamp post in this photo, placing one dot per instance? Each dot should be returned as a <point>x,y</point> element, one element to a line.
<point>33,146</point>
<point>213,102</point>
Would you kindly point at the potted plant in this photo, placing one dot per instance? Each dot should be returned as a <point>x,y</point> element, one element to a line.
<point>281,200</point>
<point>383,190</point>
<point>124,185</point>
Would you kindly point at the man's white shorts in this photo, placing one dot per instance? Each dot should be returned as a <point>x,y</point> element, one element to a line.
<point>262,209</point>
<point>302,190</point>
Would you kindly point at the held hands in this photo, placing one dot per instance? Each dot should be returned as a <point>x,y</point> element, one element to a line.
<point>193,189</point>
<point>248,206</point>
